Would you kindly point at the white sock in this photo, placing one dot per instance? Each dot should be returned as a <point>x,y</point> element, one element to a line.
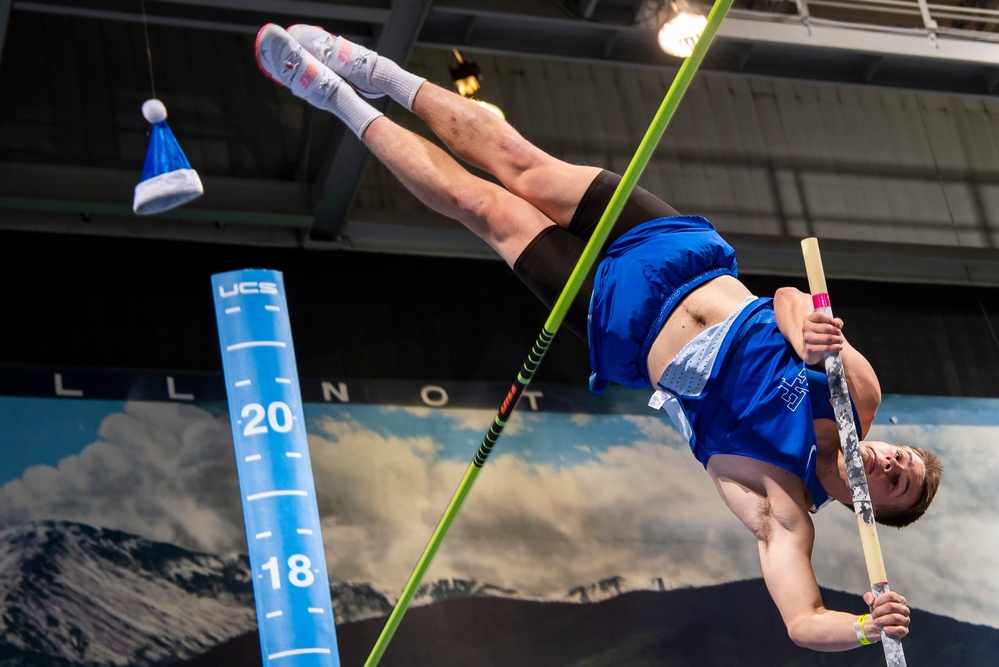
<point>396,82</point>
<point>348,106</point>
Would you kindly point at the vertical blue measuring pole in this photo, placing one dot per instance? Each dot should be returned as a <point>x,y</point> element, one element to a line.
<point>287,560</point>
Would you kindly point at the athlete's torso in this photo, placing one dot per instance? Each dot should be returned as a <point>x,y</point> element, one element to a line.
<point>704,307</point>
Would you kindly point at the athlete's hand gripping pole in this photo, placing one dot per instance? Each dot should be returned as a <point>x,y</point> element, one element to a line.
<point>856,475</point>
<point>554,321</point>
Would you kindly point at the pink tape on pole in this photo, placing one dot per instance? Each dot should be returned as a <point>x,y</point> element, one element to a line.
<point>820,300</point>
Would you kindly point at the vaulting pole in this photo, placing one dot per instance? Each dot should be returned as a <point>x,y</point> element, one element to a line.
<point>849,441</point>
<point>559,310</point>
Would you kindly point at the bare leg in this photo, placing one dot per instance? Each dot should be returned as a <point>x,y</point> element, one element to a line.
<point>472,133</point>
<point>483,139</point>
<point>505,221</point>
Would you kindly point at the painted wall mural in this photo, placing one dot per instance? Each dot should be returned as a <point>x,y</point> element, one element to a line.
<point>590,535</point>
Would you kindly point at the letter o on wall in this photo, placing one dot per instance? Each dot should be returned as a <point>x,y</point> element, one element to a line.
<point>433,396</point>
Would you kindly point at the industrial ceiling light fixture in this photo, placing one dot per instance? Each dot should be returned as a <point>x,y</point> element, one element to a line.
<point>680,33</point>
<point>468,79</point>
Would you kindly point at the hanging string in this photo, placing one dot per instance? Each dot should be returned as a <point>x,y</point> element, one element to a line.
<point>953,224</point>
<point>149,51</point>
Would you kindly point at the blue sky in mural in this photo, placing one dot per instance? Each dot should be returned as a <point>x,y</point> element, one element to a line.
<point>914,410</point>
<point>555,438</point>
<point>608,494</point>
<point>33,433</point>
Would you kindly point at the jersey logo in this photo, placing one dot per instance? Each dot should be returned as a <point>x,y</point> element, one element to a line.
<point>795,391</point>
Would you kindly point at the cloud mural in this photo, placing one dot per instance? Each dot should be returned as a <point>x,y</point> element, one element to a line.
<point>563,500</point>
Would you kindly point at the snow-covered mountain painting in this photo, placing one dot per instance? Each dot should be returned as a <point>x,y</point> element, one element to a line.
<point>587,537</point>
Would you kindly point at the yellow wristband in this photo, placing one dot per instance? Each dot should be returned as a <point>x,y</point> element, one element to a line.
<point>859,627</point>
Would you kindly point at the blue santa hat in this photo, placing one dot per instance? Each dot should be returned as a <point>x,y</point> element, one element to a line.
<point>167,177</point>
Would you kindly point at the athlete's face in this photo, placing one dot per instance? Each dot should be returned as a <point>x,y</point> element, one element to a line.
<point>895,474</point>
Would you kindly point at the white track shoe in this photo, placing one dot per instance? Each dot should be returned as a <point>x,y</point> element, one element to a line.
<point>286,61</point>
<point>350,61</point>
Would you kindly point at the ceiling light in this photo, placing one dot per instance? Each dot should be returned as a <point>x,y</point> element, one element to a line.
<point>467,76</point>
<point>467,80</point>
<point>678,35</point>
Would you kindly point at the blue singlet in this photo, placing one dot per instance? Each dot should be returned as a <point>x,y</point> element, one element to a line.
<point>761,399</point>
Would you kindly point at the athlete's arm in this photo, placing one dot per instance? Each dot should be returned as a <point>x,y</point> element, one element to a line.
<point>785,559</point>
<point>767,501</point>
<point>812,334</point>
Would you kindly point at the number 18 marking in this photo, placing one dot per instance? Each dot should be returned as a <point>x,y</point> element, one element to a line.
<point>299,573</point>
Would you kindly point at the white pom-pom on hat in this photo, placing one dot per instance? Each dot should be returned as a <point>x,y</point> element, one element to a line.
<point>154,111</point>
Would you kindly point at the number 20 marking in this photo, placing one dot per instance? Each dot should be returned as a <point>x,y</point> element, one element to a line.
<point>278,416</point>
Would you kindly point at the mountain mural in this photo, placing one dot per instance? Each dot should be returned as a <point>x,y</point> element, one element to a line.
<point>75,595</point>
<point>732,624</point>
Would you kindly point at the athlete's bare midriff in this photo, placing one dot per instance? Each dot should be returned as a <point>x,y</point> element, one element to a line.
<point>705,306</point>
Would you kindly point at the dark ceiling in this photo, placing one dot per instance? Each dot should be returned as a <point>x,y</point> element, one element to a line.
<point>75,73</point>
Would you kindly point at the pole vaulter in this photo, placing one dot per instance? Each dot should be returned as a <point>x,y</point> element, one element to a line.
<point>630,177</point>
<point>849,441</point>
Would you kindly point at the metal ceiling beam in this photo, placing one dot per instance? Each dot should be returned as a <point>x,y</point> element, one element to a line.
<point>84,191</point>
<point>195,11</point>
<point>341,174</point>
<point>525,29</point>
<point>816,33</point>
<point>4,21</point>
<point>320,10</point>
<point>889,262</point>
<point>758,254</point>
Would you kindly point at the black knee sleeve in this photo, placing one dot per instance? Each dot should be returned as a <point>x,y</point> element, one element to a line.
<point>545,266</point>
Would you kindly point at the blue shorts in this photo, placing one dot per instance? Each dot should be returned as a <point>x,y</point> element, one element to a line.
<point>647,272</point>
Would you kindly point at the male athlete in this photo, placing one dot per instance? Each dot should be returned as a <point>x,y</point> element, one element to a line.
<point>663,309</point>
